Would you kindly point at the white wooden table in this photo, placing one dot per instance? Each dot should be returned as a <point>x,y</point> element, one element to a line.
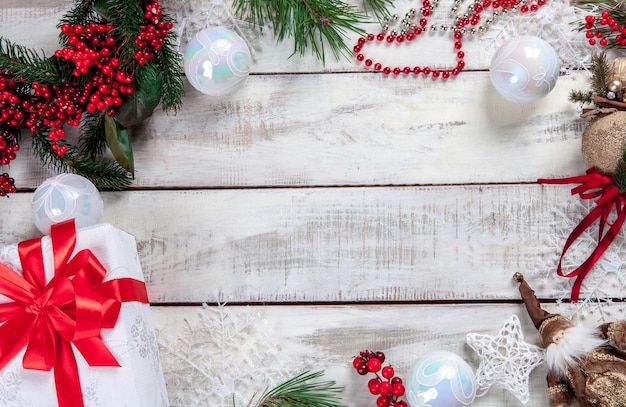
<point>338,208</point>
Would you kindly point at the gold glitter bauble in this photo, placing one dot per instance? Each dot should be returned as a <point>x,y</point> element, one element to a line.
<point>604,140</point>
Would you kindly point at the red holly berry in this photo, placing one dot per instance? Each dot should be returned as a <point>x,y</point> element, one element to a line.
<point>374,365</point>
<point>374,386</point>
<point>387,372</point>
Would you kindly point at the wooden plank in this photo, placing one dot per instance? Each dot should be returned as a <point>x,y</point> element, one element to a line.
<point>278,341</point>
<point>338,244</point>
<point>352,129</point>
<point>433,48</point>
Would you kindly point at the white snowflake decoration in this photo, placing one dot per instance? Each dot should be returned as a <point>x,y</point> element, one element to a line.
<point>604,282</point>
<point>505,360</point>
<point>224,358</point>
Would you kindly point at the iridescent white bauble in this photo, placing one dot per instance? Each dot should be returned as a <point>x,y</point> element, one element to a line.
<point>64,197</point>
<point>524,69</point>
<point>441,379</point>
<point>217,61</point>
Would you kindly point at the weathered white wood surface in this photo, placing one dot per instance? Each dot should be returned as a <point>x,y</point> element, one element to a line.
<point>405,333</point>
<point>319,184</point>
<point>333,244</point>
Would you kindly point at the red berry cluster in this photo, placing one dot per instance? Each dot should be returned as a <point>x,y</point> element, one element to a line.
<point>93,49</point>
<point>7,184</point>
<point>152,35</point>
<point>602,36</point>
<point>388,387</point>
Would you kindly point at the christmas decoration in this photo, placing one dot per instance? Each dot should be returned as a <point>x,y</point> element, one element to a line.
<point>605,178</point>
<point>441,379</point>
<point>64,197</point>
<point>60,314</point>
<point>506,360</point>
<point>217,61</point>
<point>386,385</point>
<point>314,24</point>
<point>302,391</point>
<point>585,365</point>
<point>524,69</point>
<point>116,65</point>
<point>415,23</point>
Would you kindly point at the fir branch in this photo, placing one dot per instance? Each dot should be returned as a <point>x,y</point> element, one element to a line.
<point>582,97</point>
<point>296,392</point>
<point>173,86</point>
<point>82,13</point>
<point>127,16</point>
<point>379,8</point>
<point>92,142</point>
<point>311,23</point>
<point>600,73</point>
<point>28,65</point>
<point>103,173</point>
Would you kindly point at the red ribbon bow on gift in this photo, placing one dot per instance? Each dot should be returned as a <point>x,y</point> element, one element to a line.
<point>71,308</point>
<point>593,185</point>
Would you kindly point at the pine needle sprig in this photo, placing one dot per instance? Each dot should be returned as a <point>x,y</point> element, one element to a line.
<point>581,97</point>
<point>127,16</point>
<point>379,8</point>
<point>92,141</point>
<point>82,13</point>
<point>302,391</point>
<point>312,24</point>
<point>173,85</point>
<point>599,73</point>
<point>106,174</point>
<point>29,65</point>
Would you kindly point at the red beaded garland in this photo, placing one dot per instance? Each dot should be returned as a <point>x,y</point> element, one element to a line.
<point>458,30</point>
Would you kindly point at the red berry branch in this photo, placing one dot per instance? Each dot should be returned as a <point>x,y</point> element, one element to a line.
<point>97,73</point>
<point>388,387</point>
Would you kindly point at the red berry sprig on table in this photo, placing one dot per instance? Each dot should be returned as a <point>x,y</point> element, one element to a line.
<point>599,31</point>
<point>388,387</point>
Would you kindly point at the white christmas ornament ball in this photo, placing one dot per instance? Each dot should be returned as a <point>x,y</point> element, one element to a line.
<point>217,61</point>
<point>64,197</point>
<point>441,379</point>
<point>524,69</point>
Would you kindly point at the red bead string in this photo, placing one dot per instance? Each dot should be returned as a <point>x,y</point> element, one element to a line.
<point>469,20</point>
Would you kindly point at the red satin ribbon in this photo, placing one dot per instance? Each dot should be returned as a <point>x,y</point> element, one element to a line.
<point>593,185</point>
<point>71,308</point>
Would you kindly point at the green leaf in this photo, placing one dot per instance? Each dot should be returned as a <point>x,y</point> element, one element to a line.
<point>141,103</point>
<point>118,139</point>
<point>102,7</point>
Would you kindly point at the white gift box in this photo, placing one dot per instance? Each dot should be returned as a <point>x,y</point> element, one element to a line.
<point>139,381</point>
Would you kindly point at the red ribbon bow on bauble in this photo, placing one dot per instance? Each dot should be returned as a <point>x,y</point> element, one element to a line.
<point>70,309</point>
<point>593,185</point>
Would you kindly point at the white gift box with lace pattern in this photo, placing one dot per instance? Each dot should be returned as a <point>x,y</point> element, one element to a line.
<point>139,381</point>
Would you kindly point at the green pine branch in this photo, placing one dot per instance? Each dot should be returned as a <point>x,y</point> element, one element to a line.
<point>106,174</point>
<point>581,97</point>
<point>599,74</point>
<point>82,13</point>
<point>313,24</point>
<point>379,8</point>
<point>173,85</point>
<point>92,141</point>
<point>127,16</point>
<point>302,391</point>
<point>30,66</point>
